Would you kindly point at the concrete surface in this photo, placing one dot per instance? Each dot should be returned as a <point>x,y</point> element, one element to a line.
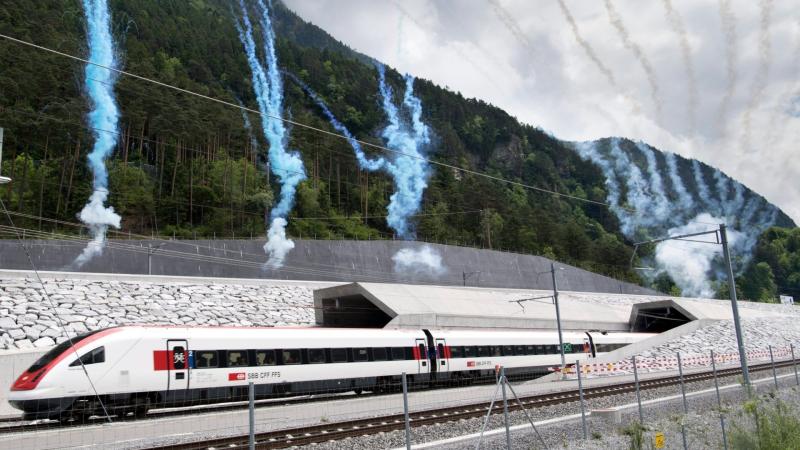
<point>368,261</point>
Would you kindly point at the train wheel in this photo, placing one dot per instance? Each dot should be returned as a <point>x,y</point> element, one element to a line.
<point>358,391</point>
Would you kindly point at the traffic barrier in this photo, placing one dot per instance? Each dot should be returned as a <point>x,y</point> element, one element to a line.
<point>663,363</point>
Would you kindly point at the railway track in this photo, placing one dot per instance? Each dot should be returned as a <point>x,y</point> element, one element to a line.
<point>359,427</point>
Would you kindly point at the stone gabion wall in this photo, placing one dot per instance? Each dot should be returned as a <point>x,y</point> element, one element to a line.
<point>28,320</point>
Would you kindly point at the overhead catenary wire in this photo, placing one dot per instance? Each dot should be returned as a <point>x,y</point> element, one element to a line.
<point>310,127</point>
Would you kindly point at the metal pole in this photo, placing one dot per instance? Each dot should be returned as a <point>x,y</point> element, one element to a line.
<point>719,402</point>
<point>1,151</point>
<point>734,306</point>
<point>464,277</point>
<point>685,405</point>
<point>149,259</point>
<point>251,391</point>
<point>794,363</point>
<point>558,318</point>
<point>505,406</point>
<point>772,361</point>
<point>405,409</point>
<point>638,395</point>
<point>580,396</point>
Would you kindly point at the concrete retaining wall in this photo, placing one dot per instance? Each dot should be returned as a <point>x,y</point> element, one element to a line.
<point>368,261</point>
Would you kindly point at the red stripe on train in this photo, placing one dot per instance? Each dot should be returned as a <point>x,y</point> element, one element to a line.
<point>163,360</point>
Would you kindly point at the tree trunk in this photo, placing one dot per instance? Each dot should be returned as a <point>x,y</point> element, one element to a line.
<point>71,174</point>
<point>175,170</point>
<point>41,180</point>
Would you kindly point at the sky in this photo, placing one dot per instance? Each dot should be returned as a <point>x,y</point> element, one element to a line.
<point>715,80</point>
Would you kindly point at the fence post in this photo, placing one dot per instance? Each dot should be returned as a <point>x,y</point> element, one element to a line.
<point>405,409</point>
<point>505,406</point>
<point>638,395</point>
<point>719,402</point>
<point>251,393</point>
<point>685,405</point>
<point>774,374</point>
<point>794,363</point>
<point>580,396</point>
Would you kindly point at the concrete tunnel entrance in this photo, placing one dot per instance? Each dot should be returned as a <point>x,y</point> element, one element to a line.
<point>657,319</point>
<point>352,311</point>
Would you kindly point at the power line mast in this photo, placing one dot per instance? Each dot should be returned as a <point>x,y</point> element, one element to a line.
<point>3,180</point>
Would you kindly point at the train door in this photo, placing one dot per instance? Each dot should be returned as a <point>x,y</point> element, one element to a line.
<point>178,368</point>
<point>442,356</point>
<point>421,353</point>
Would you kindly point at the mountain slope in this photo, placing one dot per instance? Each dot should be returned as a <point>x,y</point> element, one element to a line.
<point>189,167</point>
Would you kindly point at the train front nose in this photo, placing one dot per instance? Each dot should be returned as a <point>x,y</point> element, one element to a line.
<point>36,401</point>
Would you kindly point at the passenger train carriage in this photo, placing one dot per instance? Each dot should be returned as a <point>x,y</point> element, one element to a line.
<point>133,368</point>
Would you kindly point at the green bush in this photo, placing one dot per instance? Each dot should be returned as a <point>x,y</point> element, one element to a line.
<point>771,427</point>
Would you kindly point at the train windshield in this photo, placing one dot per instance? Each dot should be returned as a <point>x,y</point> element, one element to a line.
<point>57,350</point>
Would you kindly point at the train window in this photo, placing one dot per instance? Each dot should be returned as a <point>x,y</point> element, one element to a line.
<point>519,350</point>
<point>316,355</point>
<point>484,351</point>
<point>237,358</point>
<point>338,355</point>
<point>95,356</point>
<point>495,350</point>
<point>398,353</point>
<point>57,350</point>
<point>470,351</point>
<point>290,356</point>
<point>265,357</point>
<point>360,354</point>
<point>455,352</point>
<point>530,350</point>
<point>508,350</point>
<point>379,354</point>
<point>206,359</point>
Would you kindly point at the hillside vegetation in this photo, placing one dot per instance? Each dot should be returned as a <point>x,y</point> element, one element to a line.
<point>190,168</point>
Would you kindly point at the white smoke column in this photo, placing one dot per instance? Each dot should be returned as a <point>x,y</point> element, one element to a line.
<point>616,21</point>
<point>731,58</point>
<point>762,73</point>
<point>103,120</point>
<point>690,263</point>
<point>676,23</point>
<point>702,187</point>
<point>684,198</point>
<point>588,152</point>
<point>285,164</point>
<point>638,193</point>
<point>422,261</point>
<point>661,205</point>
<point>511,24</point>
<point>722,191</point>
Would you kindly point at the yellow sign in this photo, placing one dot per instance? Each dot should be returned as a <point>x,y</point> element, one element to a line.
<point>658,440</point>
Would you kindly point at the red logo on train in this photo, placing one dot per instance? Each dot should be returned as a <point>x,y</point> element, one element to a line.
<point>236,376</point>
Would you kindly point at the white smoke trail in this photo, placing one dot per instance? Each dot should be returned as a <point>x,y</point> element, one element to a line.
<point>690,263</point>
<point>722,192</point>
<point>588,152</point>
<point>731,60</point>
<point>702,186</point>
<point>762,73</point>
<point>422,261</point>
<point>685,200</point>
<point>278,245</point>
<point>616,21</point>
<point>676,23</point>
<point>511,24</point>
<point>662,209</point>
<point>594,58</point>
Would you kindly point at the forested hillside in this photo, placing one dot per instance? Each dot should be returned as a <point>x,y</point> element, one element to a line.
<point>194,168</point>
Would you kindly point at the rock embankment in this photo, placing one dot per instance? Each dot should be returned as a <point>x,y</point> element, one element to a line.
<point>28,320</point>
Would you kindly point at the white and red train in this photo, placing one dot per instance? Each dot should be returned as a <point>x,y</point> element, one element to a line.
<point>134,368</point>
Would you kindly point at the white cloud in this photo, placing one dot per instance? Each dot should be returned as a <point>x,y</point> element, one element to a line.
<point>553,85</point>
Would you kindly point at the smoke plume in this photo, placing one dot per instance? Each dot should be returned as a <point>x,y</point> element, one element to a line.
<point>702,186</point>
<point>422,261</point>
<point>103,119</point>
<point>762,72</point>
<point>286,164</point>
<point>511,24</point>
<point>587,48</point>
<point>616,21</point>
<point>731,58</point>
<point>685,201</point>
<point>676,23</point>
<point>661,206</point>
<point>408,167</point>
<point>690,263</point>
